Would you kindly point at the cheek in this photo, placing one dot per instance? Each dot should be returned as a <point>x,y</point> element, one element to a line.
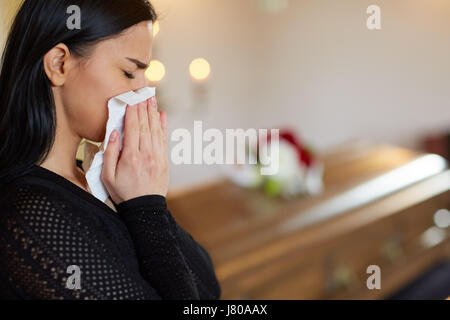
<point>88,110</point>
<point>89,94</point>
<point>93,118</point>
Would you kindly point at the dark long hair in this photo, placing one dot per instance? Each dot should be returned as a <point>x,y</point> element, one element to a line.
<point>27,107</point>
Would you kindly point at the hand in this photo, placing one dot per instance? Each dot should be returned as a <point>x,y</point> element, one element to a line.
<point>141,168</point>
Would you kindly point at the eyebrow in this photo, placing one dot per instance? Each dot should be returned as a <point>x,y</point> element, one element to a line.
<point>138,63</point>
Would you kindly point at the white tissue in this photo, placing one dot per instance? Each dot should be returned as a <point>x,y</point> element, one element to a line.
<point>117,107</point>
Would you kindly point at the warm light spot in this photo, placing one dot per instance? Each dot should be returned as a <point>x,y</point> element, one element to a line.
<point>156,71</point>
<point>200,69</point>
<point>155,28</point>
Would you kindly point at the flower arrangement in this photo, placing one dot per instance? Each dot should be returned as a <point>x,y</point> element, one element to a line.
<point>300,172</point>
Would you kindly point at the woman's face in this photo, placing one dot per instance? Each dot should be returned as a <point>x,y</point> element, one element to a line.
<point>115,66</point>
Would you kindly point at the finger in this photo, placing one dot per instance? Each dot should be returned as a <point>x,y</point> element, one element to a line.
<point>144,128</point>
<point>131,129</point>
<point>163,117</point>
<point>110,158</point>
<point>155,125</point>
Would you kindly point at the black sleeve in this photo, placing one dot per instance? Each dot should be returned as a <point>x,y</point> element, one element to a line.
<point>199,261</point>
<point>167,252</point>
<point>41,236</point>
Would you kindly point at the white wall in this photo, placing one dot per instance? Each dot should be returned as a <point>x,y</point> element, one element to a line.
<point>336,80</point>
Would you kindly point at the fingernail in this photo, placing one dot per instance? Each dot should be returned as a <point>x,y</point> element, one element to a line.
<point>113,136</point>
<point>153,102</point>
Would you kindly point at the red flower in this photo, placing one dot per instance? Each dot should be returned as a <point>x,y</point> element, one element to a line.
<point>304,156</point>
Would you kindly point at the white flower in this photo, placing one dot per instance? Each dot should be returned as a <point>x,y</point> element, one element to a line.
<point>294,176</point>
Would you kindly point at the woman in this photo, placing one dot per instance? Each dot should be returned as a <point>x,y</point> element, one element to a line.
<point>57,241</point>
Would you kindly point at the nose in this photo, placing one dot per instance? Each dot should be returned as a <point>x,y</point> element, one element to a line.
<point>143,82</point>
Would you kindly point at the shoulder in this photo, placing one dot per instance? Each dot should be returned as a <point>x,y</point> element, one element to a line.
<point>38,213</point>
<point>24,196</point>
<point>46,212</point>
<point>34,207</point>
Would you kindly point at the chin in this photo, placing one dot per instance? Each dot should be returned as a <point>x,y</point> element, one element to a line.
<point>97,137</point>
<point>100,139</point>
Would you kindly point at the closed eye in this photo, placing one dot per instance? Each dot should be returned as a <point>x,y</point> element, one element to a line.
<point>128,75</point>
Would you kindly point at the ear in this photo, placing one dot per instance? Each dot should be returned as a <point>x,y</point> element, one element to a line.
<point>57,64</point>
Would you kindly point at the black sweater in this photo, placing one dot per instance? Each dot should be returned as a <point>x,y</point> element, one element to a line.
<point>47,224</point>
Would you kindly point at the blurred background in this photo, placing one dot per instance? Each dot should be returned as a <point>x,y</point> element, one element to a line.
<point>363,103</point>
